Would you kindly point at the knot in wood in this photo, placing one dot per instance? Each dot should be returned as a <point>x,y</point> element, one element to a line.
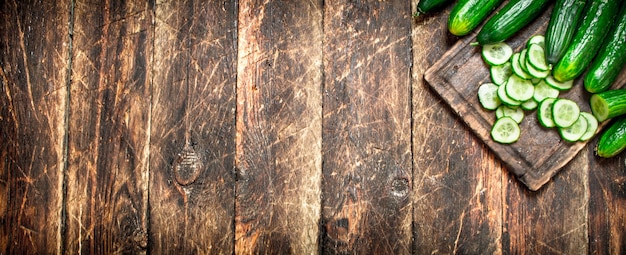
<point>187,166</point>
<point>400,187</point>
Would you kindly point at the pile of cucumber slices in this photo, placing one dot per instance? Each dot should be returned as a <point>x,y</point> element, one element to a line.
<point>522,81</point>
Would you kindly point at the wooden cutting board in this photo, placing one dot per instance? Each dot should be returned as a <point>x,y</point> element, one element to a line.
<point>540,152</point>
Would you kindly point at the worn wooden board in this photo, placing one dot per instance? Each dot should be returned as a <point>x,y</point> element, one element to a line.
<point>279,122</point>
<point>192,138</point>
<point>108,130</point>
<point>367,179</point>
<point>540,153</point>
<point>34,52</point>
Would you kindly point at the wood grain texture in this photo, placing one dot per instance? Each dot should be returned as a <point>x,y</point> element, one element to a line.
<point>457,205</point>
<point>193,128</point>
<point>366,128</point>
<point>107,183</point>
<point>34,52</point>
<point>279,118</point>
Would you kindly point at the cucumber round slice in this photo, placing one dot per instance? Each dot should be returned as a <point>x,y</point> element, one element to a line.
<point>535,56</point>
<point>592,126</point>
<point>500,73</point>
<point>504,98</point>
<point>522,60</point>
<point>544,113</point>
<point>543,91</point>
<point>574,132</point>
<point>505,130</point>
<point>536,73</point>
<point>517,67</point>
<point>529,104</point>
<point>497,53</point>
<point>537,39</point>
<point>519,89</point>
<point>516,113</point>
<point>488,96</point>
<point>565,112</point>
<point>559,85</point>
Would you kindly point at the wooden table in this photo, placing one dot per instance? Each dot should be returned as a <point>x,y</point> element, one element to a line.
<point>278,127</point>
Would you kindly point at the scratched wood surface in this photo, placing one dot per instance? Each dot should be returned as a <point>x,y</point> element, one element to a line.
<point>263,127</point>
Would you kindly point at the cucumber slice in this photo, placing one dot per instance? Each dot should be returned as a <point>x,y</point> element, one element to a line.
<point>543,91</point>
<point>544,113</point>
<point>565,112</point>
<point>536,73</point>
<point>500,73</point>
<point>488,96</point>
<point>574,132</point>
<point>536,57</point>
<point>517,68</point>
<point>504,98</point>
<point>519,89</point>
<point>505,130</point>
<point>529,105</point>
<point>592,126</point>
<point>516,113</point>
<point>497,53</point>
<point>537,39</point>
<point>559,85</point>
<point>522,60</point>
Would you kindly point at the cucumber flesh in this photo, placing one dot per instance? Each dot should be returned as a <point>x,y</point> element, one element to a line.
<point>497,53</point>
<point>488,96</point>
<point>574,132</point>
<point>536,57</point>
<point>543,91</point>
<point>500,73</point>
<point>544,113</point>
<point>565,112</point>
<point>519,89</point>
<point>505,130</point>
<point>592,126</point>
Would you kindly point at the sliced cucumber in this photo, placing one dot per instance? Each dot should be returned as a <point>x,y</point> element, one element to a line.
<point>565,112</point>
<point>505,130</point>
<point>516,113</point>
<point>592,126</point>
<point>537,39</point>
<point>519,89</point>
<point>488,96</point>
<point>543,91</point>
<point>497,53</point>
<point>535,56</point>
<point>517,67</point>
<point>566,85</point>
<point>505,98</point>
<point>500,73</point>
<point>529,105</point>
<point>536,73</point>
<point>544,113</point>
<point>574,132</point>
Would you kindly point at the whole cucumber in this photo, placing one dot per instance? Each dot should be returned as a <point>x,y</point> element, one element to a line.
<point>515,15</point>
<point>467,15</point>
<point>562,26</point>
<point>427,6</point>
<point>598,16</point>
<point>613,140</point>
<point>611,59</point>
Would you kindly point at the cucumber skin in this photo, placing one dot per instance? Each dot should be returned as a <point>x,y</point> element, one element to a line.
<point>613,140</point>
<point>514,16</point>
<point>615,100</point>
<point>562,26</point>
<point>466,15</point>
<point>427,6</point>
<point>598,16</point>
<point>611,59</point>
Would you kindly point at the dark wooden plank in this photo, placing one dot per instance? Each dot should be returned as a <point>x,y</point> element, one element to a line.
<point>457,204</point>
<point>366,206</point>
<point>279,115</point>
<point>607,204</point>
<point>34,51</point>
<point>192,138</point>
<point>107,183</point>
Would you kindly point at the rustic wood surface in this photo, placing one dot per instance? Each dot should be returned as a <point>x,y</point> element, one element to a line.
<point>263,127</point>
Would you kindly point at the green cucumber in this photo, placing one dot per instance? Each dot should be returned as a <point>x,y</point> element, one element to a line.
<point>505,130</point>
<point>565,112</point>
<point>597,19</point>
<point>608,104</point>
<point>611,59</point>
<point>561,28</point>
<point>514,16</point>
<point>613,140</point>
<point>428,6</point>
<point>467,15</point>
